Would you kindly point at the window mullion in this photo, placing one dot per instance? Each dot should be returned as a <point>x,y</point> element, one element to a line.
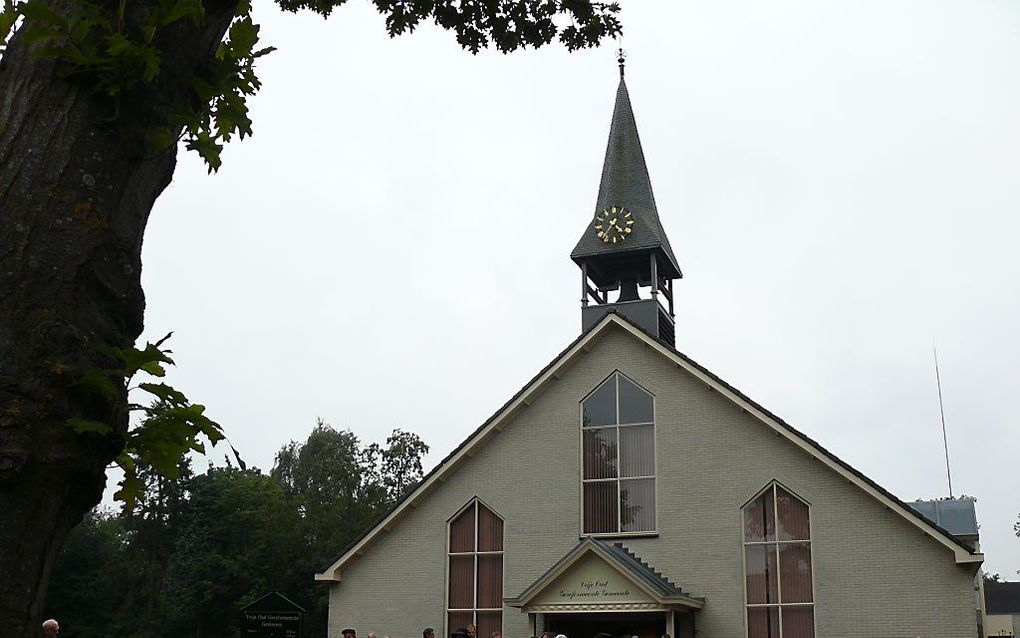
<point>779,571</point>
<point>619,468</point>
<point>475,591</point>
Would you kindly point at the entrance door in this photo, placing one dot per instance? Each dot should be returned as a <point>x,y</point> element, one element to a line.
<point>616,625</point>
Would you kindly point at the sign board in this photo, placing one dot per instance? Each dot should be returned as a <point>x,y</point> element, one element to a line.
<point>263,624</point>
<point>272,616</point>
<point>591,581</point>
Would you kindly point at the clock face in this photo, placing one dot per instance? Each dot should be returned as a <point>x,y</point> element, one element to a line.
<point>613,225</point>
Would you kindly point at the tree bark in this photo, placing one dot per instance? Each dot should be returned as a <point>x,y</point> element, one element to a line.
<point>76,190</point>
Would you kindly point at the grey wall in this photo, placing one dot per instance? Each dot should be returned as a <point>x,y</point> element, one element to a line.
<point>875,574</point>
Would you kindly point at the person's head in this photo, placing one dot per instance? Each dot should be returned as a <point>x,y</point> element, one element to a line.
<point>460,632</point>
<point>496,634</point>
<point>50,628</point>
<point>428,632</point>
<point>372,634</point>
<point>471,630</point>
<point>349,633</point>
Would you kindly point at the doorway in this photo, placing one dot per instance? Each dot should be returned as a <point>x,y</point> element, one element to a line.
<point>615,624</point>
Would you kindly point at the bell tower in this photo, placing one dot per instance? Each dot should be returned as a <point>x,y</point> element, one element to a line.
<point>627,264</point>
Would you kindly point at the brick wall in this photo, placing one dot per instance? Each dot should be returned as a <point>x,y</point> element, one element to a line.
<point>875,574</point>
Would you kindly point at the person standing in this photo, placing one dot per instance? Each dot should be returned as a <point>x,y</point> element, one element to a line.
<point>51,628</point>
<point>471,631</point>
<point>428,632</point>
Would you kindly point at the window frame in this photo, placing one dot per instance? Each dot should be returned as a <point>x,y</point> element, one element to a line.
<point>619,533</point>
<point>475,502</point>
<point>744,543</point>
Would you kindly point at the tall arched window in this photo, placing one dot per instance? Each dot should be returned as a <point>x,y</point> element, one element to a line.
<point>777,566</point>
<point>618,432</point>
<point>475,594</point>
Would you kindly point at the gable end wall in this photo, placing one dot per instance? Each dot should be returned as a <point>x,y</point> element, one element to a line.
<point>875,573</point>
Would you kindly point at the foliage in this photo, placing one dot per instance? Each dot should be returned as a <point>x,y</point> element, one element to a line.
<point>93,568</point>
<point>240,539</point>
<point>401,463</point>
<point>119,51</point>
<point>331,476</point>
<point>171,426</point>
<point>197,548</point>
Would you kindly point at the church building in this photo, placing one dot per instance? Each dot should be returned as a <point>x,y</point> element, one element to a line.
<point>627,490</point>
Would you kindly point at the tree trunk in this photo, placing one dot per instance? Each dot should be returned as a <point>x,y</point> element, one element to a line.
<point>76,189</point>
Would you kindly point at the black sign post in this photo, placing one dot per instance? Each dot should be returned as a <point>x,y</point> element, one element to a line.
<point>272,616</point>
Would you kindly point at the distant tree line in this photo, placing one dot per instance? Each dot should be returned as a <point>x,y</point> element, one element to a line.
<point>195,550</point>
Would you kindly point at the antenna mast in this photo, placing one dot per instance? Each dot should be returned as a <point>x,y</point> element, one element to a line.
<point>942,412</point>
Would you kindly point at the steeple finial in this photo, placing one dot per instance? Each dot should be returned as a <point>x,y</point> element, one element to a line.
<point>622,57</point>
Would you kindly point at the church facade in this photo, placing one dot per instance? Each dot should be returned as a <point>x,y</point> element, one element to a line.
<point>627,490</point>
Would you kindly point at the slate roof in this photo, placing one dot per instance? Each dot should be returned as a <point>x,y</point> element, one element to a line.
<point>622,558</point>
<point>642,570</point>
<point>1002,598</point>
<point>625,182</point>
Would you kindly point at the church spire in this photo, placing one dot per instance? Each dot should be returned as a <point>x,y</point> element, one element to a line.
<point>625,183</point>
<point>625,246</point>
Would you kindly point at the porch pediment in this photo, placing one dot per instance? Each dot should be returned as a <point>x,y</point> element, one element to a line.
<point>596,575</point>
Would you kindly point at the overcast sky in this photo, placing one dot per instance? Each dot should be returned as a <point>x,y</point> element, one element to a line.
<point>839,182</point>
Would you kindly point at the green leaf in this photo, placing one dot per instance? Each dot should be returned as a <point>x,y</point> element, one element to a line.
<point>192,9</point>
<point>135,359</point>
<point>7,19</point>
<point>39,11</point>
<point>152,367</point>
<point>244,34</point>
<point>88,425</point>
<point>203,89</point>
<point>151,61</point>
<point>208,148</point>
<point>131,487</point>
<point>33,34</point>
<point>164,392</point>
<point>118,44</point>
<point>97,381</point>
